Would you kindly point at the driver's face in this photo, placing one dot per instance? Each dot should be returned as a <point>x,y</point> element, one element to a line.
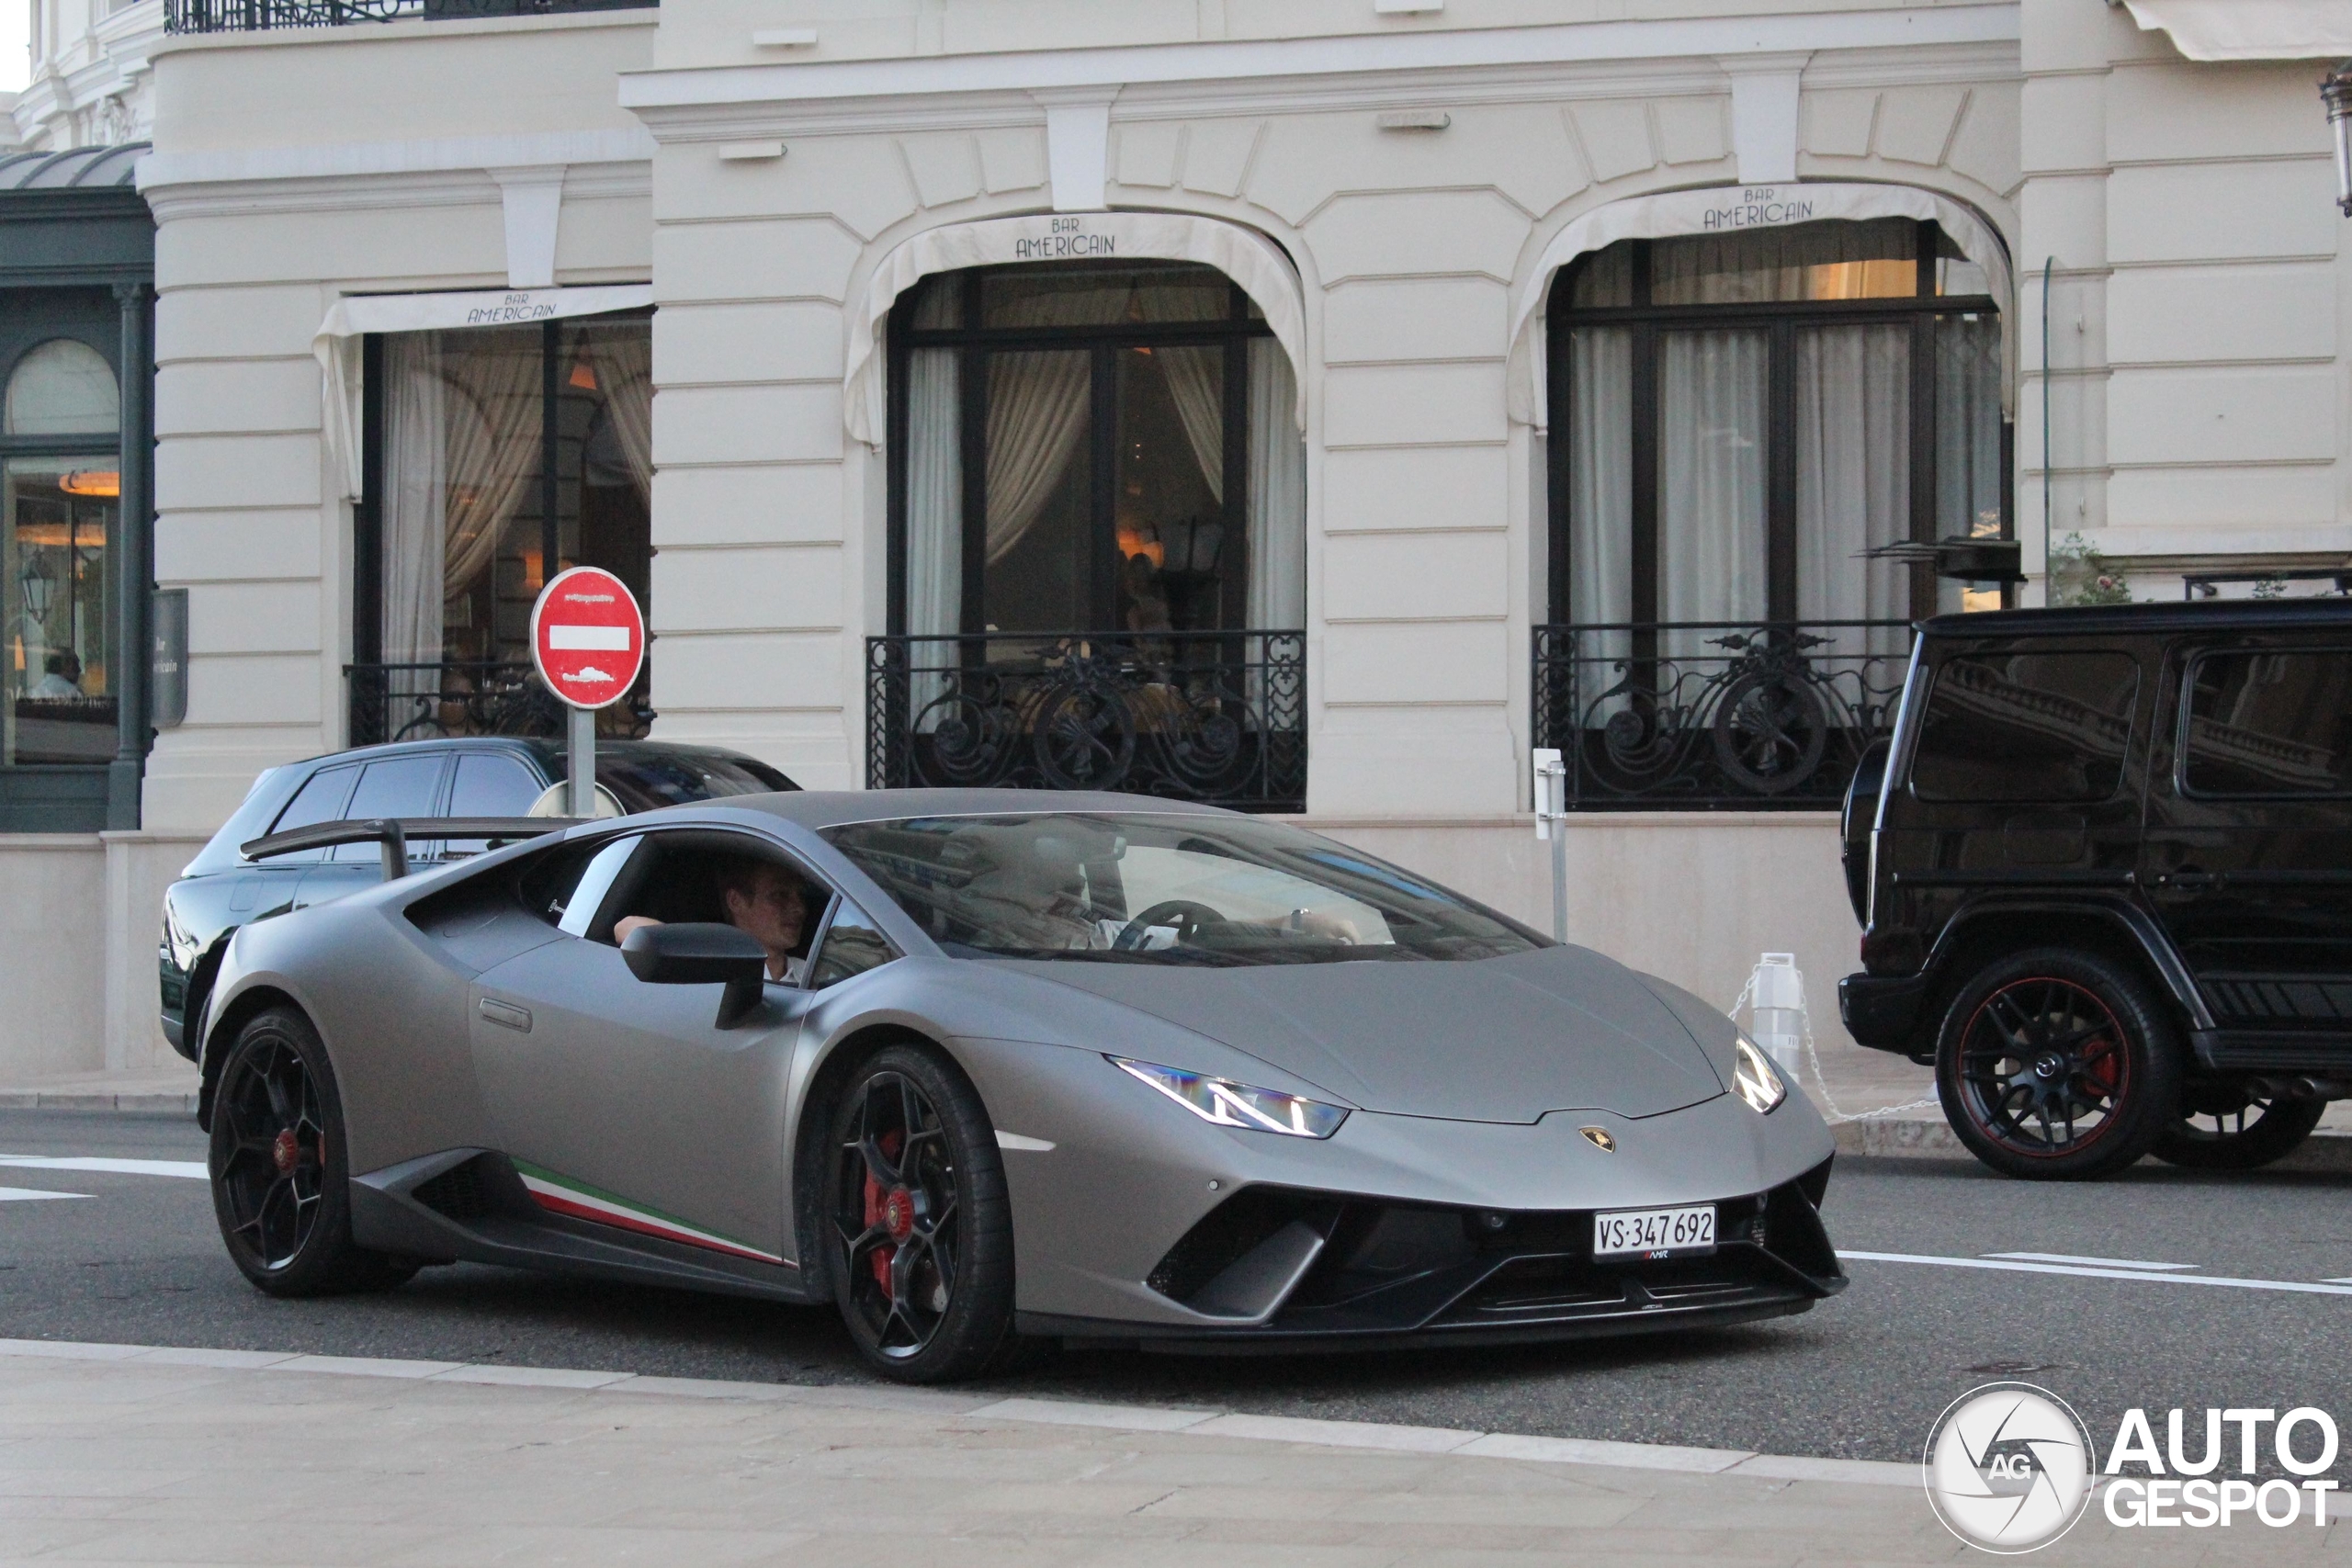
<point>771,912</point>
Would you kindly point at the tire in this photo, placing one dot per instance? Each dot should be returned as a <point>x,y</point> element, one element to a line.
<point>281,1189</point>
<point>2245,1133</point>
<point>921,1218</point>
<point>2058,1065</point>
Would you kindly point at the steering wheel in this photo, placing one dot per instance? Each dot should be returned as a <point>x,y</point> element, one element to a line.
<point>1185,915</point>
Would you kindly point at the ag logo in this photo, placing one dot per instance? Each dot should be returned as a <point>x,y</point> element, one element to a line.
<point>2009,1467</point>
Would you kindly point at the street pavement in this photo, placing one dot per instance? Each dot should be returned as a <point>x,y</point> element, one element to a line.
<point>192,1458</point>
<point>1862,1376</point>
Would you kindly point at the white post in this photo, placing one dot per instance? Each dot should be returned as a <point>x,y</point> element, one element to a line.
<point>1551,812</point>
<point>1776,1006</point>
<point>581,736</point>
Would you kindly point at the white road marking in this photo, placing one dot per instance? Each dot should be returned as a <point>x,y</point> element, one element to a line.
<point>2297,1287</point>
<point>32,1195</point>
<point>192,1170</point>
<point>2088,1262</point>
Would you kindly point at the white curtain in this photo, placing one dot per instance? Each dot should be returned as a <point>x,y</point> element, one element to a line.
<point>493,445</point>
<point>934,494</point>
<point>1195,379</point>
<point>416,495</point>
<point>622,361</point>
<point>1600,488</point>
<point>1277,492</point>
<point>1853,436</point>
<point>1038,406</point>
<point>1711,481</point>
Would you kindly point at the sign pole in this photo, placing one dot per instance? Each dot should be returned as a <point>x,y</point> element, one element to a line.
<point>581,730</point>
<point>1551,812</point>
<point>588,643</point>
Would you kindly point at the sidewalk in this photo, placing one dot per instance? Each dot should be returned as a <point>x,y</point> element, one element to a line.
<point>108,1453</point>
<point>167,1090</point>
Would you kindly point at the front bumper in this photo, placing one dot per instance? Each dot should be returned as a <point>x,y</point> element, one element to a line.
<point>1375,1273</point>
<point>1885,1012</point>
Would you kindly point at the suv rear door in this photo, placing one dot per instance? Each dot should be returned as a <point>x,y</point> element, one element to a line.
<point>2248,846</point>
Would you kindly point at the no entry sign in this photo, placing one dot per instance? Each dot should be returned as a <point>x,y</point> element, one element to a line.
<point>588,636</point>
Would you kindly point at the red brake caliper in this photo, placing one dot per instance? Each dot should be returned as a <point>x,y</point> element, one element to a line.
<point>891,1208</point>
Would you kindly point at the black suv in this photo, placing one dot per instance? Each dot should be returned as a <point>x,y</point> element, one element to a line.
<point>2106,884</point>
<point>486,776</point>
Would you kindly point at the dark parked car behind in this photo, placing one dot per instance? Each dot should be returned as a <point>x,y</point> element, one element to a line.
<point>484,776</point>
<point>2106,886</point>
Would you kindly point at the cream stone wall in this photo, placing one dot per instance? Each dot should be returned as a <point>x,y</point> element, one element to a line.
<point>2201,304</point>
<point>262,223</point>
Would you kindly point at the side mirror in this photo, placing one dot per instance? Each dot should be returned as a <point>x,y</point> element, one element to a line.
<point>702,953</point>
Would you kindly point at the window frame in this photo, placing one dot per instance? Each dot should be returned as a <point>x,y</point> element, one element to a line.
<point>2186,706</point>
<point>1921,311</point>
<point>1234,332</point>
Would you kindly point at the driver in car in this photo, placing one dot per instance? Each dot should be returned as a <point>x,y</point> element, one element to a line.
<point>763,900</point>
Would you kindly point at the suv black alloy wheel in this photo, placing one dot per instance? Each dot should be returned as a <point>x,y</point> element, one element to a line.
<point>2058,1064</point>
<point>2227,1127</point>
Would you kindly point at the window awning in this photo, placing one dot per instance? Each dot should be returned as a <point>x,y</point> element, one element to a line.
<point>2250,29</point>
<point>336,343</point>
<point>1727,209</point>
<point>1250,259</point>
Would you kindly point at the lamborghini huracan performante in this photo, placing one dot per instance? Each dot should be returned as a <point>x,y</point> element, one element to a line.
<point>976,1066</point>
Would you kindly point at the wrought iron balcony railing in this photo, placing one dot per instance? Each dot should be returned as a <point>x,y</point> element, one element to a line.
<point>1214,716</point>
<point>252,15</point>
<point>1715,716</point>
<point>424,701</point>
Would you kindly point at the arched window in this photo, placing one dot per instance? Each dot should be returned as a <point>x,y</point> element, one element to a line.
<point>63,487</point>
<point>1098,536</point>
<point>1744,422</point>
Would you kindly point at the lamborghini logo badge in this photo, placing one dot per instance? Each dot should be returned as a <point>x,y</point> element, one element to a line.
<point>1599,1139</point>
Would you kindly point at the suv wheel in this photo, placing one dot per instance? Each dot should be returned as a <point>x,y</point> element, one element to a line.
<point>2054,1063</point>
<point>2225,1126</point>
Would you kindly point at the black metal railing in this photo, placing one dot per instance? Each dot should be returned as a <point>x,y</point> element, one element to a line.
<point>1215,716</point>
<point>1714,716</point>
<point>424,702</point>
<point>252,15</point>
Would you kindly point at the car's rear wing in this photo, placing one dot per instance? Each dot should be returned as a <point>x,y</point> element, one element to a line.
<point>394,832</point>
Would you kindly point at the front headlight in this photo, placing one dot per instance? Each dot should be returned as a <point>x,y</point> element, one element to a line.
<point>1754,1081</point>
<point>1230,1104</point>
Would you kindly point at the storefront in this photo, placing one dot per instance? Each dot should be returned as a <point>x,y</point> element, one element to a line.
<point>1307,424</point>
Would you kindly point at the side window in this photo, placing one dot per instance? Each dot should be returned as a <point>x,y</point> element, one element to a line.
<point>319,800</point>
<point>572,907</point>
<point>397,786</point>
<point>490,783</point>
<point>2269,724</point>
<point>2027,726</point>
<point>852,946</point>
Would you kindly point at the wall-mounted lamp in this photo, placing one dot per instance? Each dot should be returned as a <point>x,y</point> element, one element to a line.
<point>39,588</point>
<point>2336,93</point>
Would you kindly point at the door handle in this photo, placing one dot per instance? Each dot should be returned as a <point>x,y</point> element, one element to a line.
<point>506,1013</point>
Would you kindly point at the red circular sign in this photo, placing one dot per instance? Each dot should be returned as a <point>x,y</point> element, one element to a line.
<point>588,636</point>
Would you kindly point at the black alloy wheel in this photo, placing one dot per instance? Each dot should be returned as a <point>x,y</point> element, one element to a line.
<point>2226,1126</point>
<point>280,1187</point>
<point>2056,1064</point>
<point>923,1269</point>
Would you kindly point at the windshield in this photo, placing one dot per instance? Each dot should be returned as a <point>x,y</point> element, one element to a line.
<point>648,780</point>
<point>1142,888</point>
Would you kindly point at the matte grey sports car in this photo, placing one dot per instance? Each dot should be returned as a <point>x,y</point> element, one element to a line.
<point>976,1065</point>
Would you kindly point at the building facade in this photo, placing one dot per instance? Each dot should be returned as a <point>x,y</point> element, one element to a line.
<point>1312,407</point>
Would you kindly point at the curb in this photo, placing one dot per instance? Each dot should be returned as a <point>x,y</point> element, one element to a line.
<point>989,1408</point>
<point>131,1104</point>
<point>1911,1137</point>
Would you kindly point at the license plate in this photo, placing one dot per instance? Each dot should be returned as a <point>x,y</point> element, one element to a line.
<point>1654,1233</point>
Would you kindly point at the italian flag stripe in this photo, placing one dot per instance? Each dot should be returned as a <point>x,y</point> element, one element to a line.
<point>564,1195</point>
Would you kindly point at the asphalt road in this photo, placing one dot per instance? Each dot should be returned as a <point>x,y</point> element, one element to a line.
<point>138,1260</point>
